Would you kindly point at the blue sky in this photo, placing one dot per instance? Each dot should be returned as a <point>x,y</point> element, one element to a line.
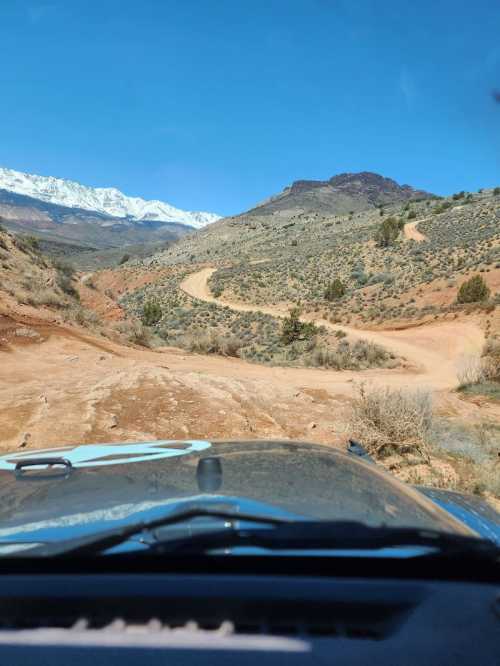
<point>217,104</point>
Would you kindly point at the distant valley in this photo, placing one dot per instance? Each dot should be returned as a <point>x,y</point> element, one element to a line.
<point>94,226</point>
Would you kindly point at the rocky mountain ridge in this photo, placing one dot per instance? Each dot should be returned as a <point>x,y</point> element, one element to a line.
<point>107,201</point>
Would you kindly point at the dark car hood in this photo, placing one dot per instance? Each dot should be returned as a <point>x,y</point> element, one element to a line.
<point>111,484</point>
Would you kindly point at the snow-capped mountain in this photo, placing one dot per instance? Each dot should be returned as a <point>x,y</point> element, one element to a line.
<point>106,200</point>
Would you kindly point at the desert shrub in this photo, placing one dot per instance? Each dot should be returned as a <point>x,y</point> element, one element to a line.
<point>124,259</point>
<point>473,290</point>
<point>335,290</point>
<point>48,297</point>
<point>360,277</point>
<point>27,244</point>
<point>388,231</point>
<point>84,317</point>
<point>387,420</point>
<point>151,313</point>
<point>412,215</point>
<point>65,284</point>
<point>386,278</point>
<point>442,207</point>
<point>491,360</point>
<point>347,356</point>
<point>63,268</point>
<point>135,332</point>
<point>212,343</point>
<point>470,371</point>
<point>293,329</point>
<point>496,191</point>
<point>326,358</point>
<point>369,353</point>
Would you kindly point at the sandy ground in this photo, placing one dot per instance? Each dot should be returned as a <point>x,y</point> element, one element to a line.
<point>411,232</point>
<point>434,351</point>
<point>62,385</point>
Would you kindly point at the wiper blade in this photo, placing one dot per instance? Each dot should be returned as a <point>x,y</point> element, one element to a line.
<point>97,543</point>
<point>286,534</point>
<point>330,535</point>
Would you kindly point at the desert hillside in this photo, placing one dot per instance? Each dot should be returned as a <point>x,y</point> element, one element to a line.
<point>198,340</point>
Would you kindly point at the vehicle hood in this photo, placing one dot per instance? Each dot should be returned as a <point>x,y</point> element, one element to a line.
<point>111,484</point>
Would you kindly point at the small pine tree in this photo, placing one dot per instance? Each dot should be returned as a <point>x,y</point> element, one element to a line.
<point>473,290</point>
<point>388,231</point>
<point>293,329</point>
<point>335,290</point>
<point>151,313</point>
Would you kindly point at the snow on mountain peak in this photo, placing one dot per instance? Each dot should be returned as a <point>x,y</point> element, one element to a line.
<point>106,200</point>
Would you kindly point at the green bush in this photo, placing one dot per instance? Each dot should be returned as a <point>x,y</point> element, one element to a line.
<point>388,231</point>
<point>64,268</point>
<point>442,207</point>
<point>65,283</point>
<point>496,191</point>
<point>473,290</point>
<point>151,313</point>
<point>293,329</point>
<point>412,215</point>
<point>335,290</point>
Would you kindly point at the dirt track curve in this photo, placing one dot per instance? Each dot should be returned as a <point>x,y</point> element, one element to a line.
<point>61,385</point>
<point>435,350</point>
<point>411,232</point>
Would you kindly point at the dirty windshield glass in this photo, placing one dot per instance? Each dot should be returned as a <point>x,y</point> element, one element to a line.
<point>249,262</point>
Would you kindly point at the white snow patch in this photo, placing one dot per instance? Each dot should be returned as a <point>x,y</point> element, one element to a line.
<point>106,200</point>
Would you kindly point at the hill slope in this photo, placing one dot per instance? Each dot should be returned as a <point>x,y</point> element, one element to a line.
<point>338,195</point>
<point>23,214</point>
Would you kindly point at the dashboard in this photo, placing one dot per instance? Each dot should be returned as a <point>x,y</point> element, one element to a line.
<point>244,611</point>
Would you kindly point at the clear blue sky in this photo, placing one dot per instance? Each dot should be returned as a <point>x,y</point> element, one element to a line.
<point>216,104</point>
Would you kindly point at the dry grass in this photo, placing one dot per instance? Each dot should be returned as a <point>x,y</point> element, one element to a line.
<point>470,371</point>
<point>479,373</point>
<point>358,355</point>
<point>135,332</point>
<point>212,343</point>
<point>391,421</point>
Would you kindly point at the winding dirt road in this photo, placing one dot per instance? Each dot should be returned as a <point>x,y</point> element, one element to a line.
<point>63,385</point>
<point>411,232</point>
<point>435,350</point>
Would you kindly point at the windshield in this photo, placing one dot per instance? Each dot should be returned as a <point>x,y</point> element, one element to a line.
<point>249,261</point>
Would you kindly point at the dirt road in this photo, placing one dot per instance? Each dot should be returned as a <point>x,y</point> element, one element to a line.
<point>64,385</point>
<point>411,232</point>
<point>435,350</point>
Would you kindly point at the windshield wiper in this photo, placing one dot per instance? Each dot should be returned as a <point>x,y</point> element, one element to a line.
<point>329,535</point>
<point>104,540</point>
<point>285,534</point>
